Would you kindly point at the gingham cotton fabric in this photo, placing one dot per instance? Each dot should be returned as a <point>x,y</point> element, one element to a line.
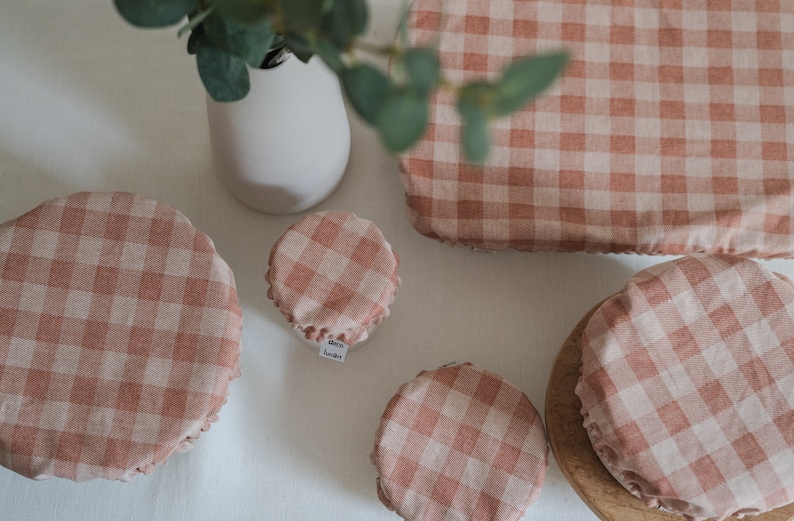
<point>333,276</point>
<point>668,133</point>
<point>459,444</point>
<point>687,386</point>
<point>119,336</point>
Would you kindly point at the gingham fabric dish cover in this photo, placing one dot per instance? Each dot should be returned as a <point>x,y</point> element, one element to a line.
<point>459,444</point>
<point>669,132</point>
<point>119,335</point>
<point>687,386</point>
<point>333,275</point>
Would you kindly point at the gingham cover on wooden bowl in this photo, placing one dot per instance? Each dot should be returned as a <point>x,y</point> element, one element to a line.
<point>669,132</point>
<point>687,386</point>
<point>459,444</point>
<point>119,335</point>
<point>333,276</point>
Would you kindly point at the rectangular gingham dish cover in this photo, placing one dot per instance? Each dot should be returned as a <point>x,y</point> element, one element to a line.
<point>668,133</point>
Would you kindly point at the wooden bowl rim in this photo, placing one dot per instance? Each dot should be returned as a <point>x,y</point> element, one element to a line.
<point>574,453</point>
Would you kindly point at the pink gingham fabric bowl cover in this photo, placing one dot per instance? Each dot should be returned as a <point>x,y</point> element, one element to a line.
<point>333,276</point>
<point>687,386</point>
<point>119,335</point>
<point>667,133</point>
<point>459,444</point>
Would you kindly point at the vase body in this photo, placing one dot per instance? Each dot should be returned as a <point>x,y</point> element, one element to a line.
<point>285,146</point>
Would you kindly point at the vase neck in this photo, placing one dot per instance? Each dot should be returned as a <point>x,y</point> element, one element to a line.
<point>276,57</point>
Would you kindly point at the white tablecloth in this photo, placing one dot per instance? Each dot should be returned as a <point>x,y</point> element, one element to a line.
<point>89,103</point>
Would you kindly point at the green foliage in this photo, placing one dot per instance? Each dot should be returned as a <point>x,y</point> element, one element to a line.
<point>302,16</point>
<point>475,102</point>
<point>401,118</point>
<point>365,87</point>
<point>155,13</point>
<point>481,101</point>
<point>422,68</point>
<point>330,55</point>
<point>300,46</point>
<point>249,43</point>
<point>228,36</point>
<point>526,78</point>
<point>224,75</point>
<point>345,21</point>
<point>243,11</point>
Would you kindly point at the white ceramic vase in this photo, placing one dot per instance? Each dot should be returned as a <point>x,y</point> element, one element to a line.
<point>285,146</point>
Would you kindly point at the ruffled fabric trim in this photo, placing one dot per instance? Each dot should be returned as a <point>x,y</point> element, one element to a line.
<point>382,496</point>
<point>350,336</point>
<point>638,486</point>
<point>187,444</point>
<point>608,457</point>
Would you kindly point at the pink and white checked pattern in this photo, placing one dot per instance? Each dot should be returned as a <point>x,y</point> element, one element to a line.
<point>333,275</point>
<point>460,444</point>
<point>669,132</point>
<point>687,386</point>
<point>119,335</point>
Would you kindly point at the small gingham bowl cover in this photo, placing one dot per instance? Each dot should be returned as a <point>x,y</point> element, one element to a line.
<point>119,335</point>
<point>687,386</point>
<point>333,276</point>
<point>458,444</point>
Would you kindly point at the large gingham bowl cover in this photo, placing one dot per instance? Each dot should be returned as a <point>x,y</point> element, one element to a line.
<point>669,132</point>
<point>333,276</point>
<point>119,335</point>
<point>460,444</point>
<point>687,386</point>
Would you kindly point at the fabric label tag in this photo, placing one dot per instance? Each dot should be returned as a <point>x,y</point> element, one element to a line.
<point>334,349</point>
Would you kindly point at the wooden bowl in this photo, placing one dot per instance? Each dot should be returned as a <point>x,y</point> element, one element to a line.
<point>576,458</point>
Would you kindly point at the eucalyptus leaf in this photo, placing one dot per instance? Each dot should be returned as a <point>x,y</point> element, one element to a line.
<point>224,75</point>
<point>302,15</point>
<point>193,40</point>
<point>330,55</point>
<point>155,13</point>
<point>475,135</point>
<point>346,20</point>
<point>423,68</point>
<point>246,12</point>
<point>525,79</point>
<point>402,119</point>
<point>249,43</point>
<point>365,87</point>
<point>300,47</point>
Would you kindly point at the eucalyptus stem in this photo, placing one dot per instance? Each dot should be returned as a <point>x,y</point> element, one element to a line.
<point>389,51</point>
<point>195,21</point>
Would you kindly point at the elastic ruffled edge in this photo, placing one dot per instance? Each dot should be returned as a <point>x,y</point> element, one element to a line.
<point>187,443</point>
<point>631,481</point>
<point>350,336</point>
